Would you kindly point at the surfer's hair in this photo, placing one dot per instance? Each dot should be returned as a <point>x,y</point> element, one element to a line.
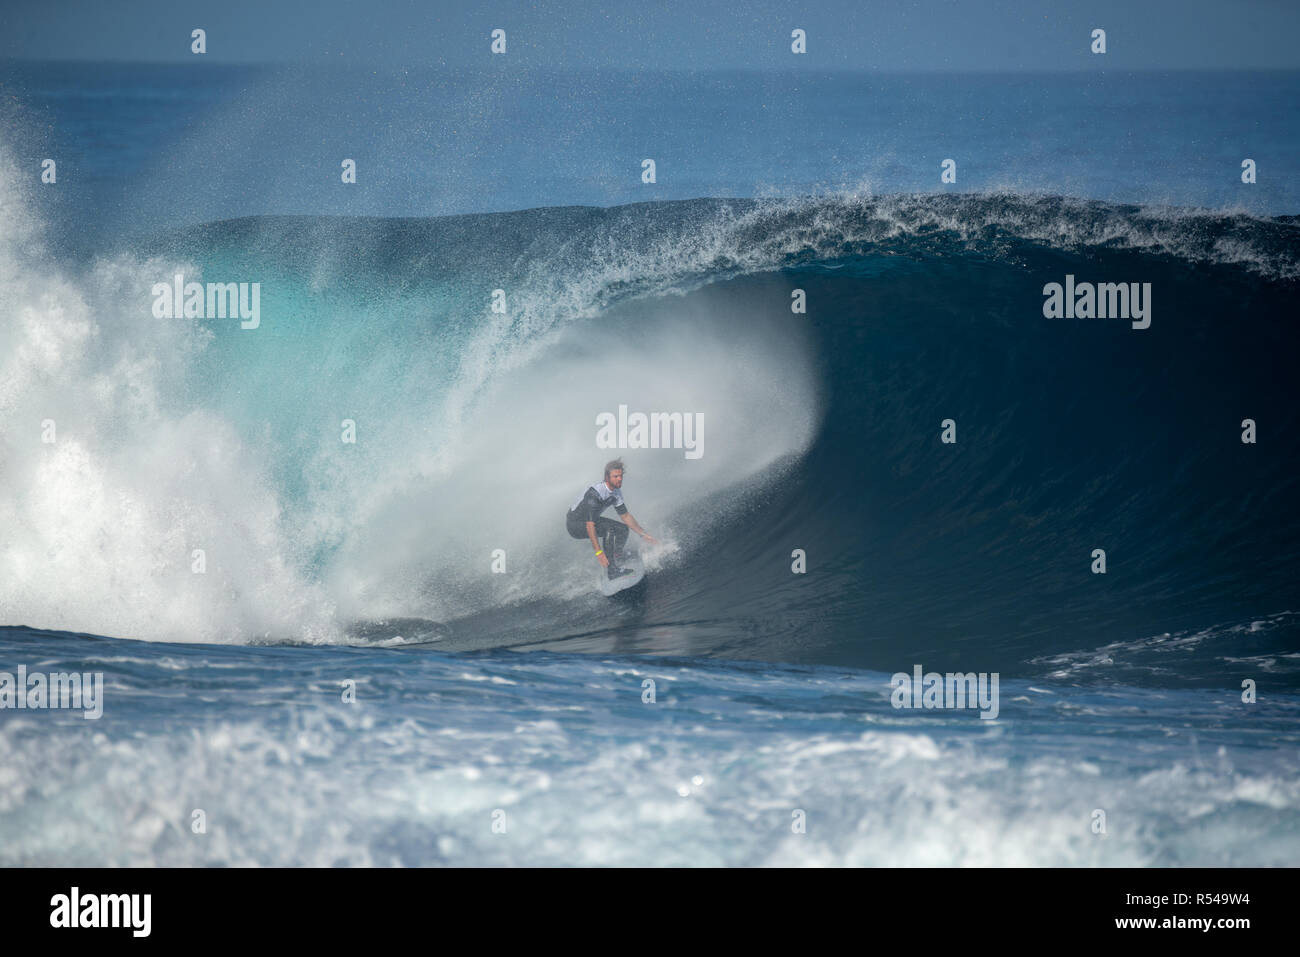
<point>613,464</point>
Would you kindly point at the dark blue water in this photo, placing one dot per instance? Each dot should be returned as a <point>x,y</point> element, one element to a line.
<point>325,562</point>
<point>143,146</point>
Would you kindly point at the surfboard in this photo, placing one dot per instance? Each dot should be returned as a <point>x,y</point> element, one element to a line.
<point>632,562</point>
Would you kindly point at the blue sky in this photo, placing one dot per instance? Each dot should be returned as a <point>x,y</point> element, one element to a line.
<point>997,35</point>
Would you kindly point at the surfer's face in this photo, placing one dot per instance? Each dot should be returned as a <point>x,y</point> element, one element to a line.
<point>615,479</point>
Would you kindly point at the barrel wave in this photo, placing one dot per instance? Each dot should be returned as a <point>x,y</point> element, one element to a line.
<point>824,430</point>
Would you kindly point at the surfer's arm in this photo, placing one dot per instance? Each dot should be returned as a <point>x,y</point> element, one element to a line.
<point>591,533</point>
<point>631,523</point>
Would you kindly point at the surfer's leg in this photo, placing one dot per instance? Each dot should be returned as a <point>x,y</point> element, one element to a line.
<point>613,534</point>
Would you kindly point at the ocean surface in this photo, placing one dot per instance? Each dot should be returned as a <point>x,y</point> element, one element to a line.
<point>388,651</point>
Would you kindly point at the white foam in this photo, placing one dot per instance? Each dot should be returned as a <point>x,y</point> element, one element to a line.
<point>332,789</point>
<point>99,526</point>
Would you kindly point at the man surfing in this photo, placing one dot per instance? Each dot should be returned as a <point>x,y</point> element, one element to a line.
<point>606,536</point>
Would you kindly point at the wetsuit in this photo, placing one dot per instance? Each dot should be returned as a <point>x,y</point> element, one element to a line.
<point>594,500</point>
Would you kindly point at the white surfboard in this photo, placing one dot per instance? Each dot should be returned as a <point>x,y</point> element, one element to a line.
<point>632,562</point>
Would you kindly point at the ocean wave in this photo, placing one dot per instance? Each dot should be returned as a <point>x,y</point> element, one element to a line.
<point>477,426</point>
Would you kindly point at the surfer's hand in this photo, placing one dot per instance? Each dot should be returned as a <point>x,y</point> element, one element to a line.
<point>603,559</point>
<point>651,539</point>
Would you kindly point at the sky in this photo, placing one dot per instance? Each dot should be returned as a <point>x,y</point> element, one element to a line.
<point>887,35</point>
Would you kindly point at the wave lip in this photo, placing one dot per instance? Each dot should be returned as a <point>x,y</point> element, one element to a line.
<point>588,257</point>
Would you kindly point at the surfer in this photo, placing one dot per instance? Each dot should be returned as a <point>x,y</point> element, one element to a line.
<point>606,535</point>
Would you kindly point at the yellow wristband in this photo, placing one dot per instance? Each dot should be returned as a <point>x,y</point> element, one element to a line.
<point>600,551</point>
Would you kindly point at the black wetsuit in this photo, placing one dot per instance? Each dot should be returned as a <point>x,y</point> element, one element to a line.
<point>611,534</point>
